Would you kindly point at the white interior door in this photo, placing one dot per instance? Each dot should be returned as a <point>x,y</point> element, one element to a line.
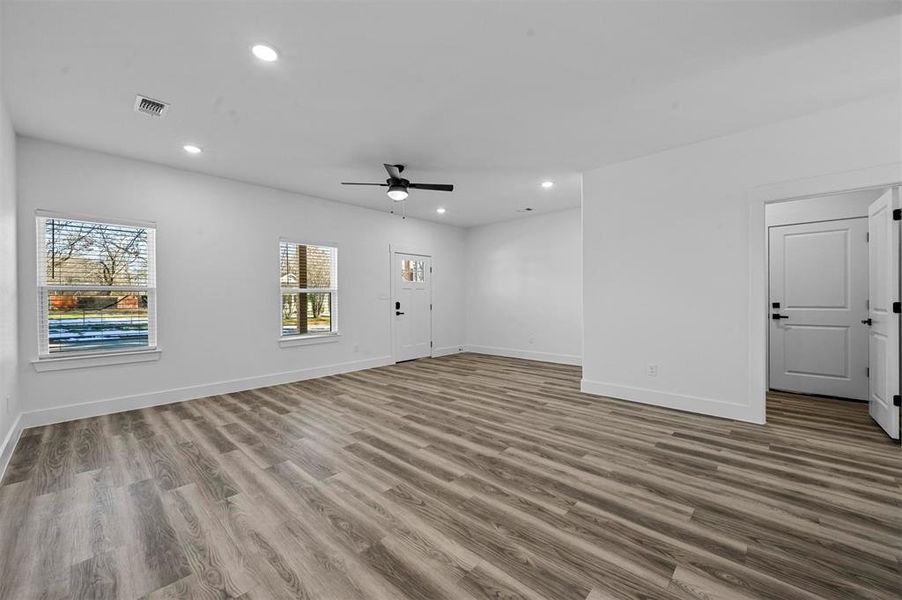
<point>884,323</point>
<point>411,305</point>
<point>818,294</point>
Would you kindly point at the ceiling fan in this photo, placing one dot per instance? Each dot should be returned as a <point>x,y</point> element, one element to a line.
<point>398,186</point>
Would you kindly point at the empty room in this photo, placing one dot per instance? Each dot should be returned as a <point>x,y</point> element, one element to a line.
<point>450,300</point>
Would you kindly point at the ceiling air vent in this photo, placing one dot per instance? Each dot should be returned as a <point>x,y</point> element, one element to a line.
<point>151,107</point>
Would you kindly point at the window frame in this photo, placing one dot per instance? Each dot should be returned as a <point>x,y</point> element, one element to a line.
<point>76,358</point>
<point>311,337</point>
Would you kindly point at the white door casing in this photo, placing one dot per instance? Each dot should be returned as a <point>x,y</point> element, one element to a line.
<point>883,337</point>
<point>411,307</point>
<point>819,278</point>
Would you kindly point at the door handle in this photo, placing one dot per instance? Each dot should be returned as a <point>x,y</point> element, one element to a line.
<point>777,317</point>
<point>867,321</point>
<point>398,312</point>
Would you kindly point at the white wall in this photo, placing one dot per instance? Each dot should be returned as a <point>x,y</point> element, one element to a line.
<point>217,266</point>
<point>849,205</point>
<point>524,297</point>
<point>9,410</point>
<point>666,259</point>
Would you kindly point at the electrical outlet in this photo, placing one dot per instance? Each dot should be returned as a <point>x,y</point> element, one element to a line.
<point>652,370</point>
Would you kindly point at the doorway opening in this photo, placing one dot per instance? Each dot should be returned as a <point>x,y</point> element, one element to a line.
<point>411,305</point>
<point>833,291</point>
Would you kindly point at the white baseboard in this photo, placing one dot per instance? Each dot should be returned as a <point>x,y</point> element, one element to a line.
<point>9,444</point>
<point>683,402</point>
<point>59,414</point>
<point>436,352</point>
<point>564,359</point>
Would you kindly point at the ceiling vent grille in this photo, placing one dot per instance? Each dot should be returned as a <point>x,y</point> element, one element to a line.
<point>149,106</point>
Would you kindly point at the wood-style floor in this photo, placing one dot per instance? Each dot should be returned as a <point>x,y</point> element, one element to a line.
<point>461,477</point>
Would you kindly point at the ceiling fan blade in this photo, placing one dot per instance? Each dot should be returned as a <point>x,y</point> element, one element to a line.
<point>354,183</point>
<point>438,187</point>
<point>394,171</point>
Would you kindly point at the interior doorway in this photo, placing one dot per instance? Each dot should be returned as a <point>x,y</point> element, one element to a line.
<point>818,275</point>
<point>833,284</point>
<point>411,309</point>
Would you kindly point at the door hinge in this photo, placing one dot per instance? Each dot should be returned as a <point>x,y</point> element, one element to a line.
<point>897,307</point>
<point>897,214</point>
<point>897,400</point>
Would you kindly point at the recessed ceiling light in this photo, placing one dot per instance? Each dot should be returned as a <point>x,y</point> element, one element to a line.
<point>440,211</point>
<point>192,149</point>
<point>265,53</point>
<point>547,184</point>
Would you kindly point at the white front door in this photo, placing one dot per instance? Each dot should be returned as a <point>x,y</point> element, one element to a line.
<point>884,327</point>
<point>411,305</point>
<point>818,295</point>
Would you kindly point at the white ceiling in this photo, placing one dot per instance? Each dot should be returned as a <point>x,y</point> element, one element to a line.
<point>493,97</point>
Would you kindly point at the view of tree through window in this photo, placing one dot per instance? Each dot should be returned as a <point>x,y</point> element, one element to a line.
<point>307,276</point>
<point>96,286</point>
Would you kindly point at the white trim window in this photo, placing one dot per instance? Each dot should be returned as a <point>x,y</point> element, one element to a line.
<point>96,286</point>
<point>308,282</point>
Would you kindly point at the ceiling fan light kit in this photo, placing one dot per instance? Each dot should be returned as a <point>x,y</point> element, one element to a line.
<point>398,186</point>
<point>397,193</point>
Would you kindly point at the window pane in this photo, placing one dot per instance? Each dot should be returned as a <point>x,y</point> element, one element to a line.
<point>290,314</point>
<point>95,320</point>
<point>80,253</point>
<point>306,266</point>
<point>413,270</point>
<point>316,318</point>
<point>319,267</point>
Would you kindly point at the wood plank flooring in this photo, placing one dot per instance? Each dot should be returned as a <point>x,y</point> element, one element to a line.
<point>455,478</point>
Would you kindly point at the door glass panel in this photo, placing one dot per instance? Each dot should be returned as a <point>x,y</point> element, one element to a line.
<point>413,270</point>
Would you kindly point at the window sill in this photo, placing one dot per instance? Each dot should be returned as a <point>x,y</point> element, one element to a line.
<point>62,363</point>
<point>306,340</point>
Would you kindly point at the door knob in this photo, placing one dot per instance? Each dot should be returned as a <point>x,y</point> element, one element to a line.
<point>777,317</point>
<point>867,321</point>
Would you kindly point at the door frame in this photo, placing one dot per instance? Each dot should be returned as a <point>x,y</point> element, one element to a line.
<point>392,250</point>
<point>889,175</point>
